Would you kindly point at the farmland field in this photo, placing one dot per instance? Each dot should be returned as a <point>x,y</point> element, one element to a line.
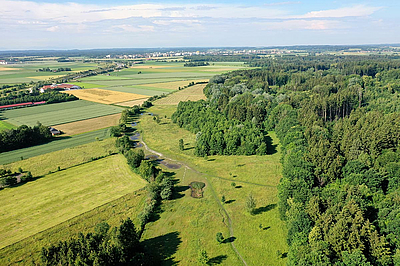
<point>5,125</point>
<point>58,113</point>
<point>193,93</point>
<point>55,198</point>
<point>258,237</point>
<point>42,164</point>
<point>104,96</point>
<point>132,103</point>
<point>155,78</point>
<point>87,125</point>
<point>59,143</point>
<point>26,72</point>
<point>28,249</point>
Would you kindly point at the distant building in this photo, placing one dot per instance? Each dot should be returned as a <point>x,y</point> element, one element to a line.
<point>62,86</point>
<point>3,62</point>
<point>54,131</point>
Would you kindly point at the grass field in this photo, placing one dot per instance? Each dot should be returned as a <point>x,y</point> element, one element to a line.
<point>5,125</point>
<point>174,85</point>
<point>193,93</point>
<point>87,125</point>
<point>28,249</point>
<point>258,175</point>
<point>59,143</point>
<point>132,103</point>
<point>104,96</point>
<point>26,72</point>
<point>55,198</point>
<point>42,164</point>
<point>155,78</point>
<point>58,113</point>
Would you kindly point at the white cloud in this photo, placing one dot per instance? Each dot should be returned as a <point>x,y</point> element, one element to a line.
<point>167,22</point>
<point>53,29</point>
<point>354,11</point>
<point>131,28</point>
<point>302,24</point>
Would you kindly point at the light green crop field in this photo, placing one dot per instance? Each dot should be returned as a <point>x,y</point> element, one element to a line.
<point>5,125</point>
<point>26,72</point>
<point>259,237</point>
<point>58,113</point>
<point>28,250</point>
<point>42,164</point>
<point>59,143</point>
<point>152,73</point>
<point>46,202</point>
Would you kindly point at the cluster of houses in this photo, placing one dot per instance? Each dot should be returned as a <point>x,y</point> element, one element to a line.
<point>62,86</point>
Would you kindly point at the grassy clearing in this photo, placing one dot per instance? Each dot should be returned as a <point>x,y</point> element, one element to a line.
<point>42,164</point>
<point>59,143</point>
<point>104,96</point>
<point>5,125</point>
<point>257,175</point>
<point>58,113</point>
<point>55,198</point>
<point>28,249</point>
<point>87,125</point>
<point>188,224</point>
<point>193,93</point>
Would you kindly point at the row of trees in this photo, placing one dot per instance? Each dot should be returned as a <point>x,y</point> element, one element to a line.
<point>23,136</point>
<point>106,246</point>
<point>26,96</point>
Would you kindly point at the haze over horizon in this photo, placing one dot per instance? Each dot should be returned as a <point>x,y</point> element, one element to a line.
<point>86,24</point>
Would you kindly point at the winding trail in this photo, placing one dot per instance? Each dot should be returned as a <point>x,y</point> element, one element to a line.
<point>230,227</point>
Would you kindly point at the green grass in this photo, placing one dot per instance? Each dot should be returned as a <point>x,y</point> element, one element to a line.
<point>58,113</point>
<point>59,143</point>
<point>87,85</point>
<point>42,164</point>
<point>44,203</point>
<point>4,125</point>
<point>28,249</point>
<point>27,72</point>
<point>126,79</point>
<point>258,175</point>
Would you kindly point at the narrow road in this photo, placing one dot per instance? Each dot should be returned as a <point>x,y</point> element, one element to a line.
<point>230,227</point>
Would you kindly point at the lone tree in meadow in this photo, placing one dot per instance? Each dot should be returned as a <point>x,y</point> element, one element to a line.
<point>220,237</point>
<point>250,204</point>
<point>202,257</point>
<point>181,146</point>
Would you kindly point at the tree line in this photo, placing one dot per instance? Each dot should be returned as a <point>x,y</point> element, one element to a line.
<point>36,96</point>
<point>23,136</point>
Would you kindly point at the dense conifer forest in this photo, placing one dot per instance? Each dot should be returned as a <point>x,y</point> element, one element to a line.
<point>338,122</point>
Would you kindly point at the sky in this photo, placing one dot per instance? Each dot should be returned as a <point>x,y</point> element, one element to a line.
<point>87,24</point>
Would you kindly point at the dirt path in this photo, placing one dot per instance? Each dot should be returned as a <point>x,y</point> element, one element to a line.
<point>230,227</point>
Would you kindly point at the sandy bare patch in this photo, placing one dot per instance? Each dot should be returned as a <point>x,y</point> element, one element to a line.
<point>105,96</point>
<point>88,124</point>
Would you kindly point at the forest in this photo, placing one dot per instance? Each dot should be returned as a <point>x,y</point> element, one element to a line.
<point>338,122</point>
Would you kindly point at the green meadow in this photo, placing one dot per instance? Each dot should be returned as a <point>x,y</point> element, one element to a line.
<point>26,72</point>
<point>58,113</point>
<point>5,125</point>
<point>258,238</point>
<point>59,143</point>
<point>66,158</point>
<point>127,80</point>
<point>46,202</point>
